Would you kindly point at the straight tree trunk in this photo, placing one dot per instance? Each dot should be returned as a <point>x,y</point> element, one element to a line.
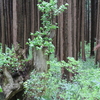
<point>79,9</point>
<point>10,85</point>
<point>74,29</point>
<point>61,33</point>
<point>2,26</point>
<point>97,58</point>
<point>83,31</point>
<point>15,23</point>
<point>65,73</point>
<point>93,24</point>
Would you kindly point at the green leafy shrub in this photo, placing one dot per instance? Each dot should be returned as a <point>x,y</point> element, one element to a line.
<point>11,60</point>
<point>42,39</point>
<point>50,86</point>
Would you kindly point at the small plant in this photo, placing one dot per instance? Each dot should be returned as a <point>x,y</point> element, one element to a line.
<point>48,86</point>
<point>40,84</point>
<point>71,66</point>
<point>42,39</point>
<point>43,85</point>
<point>11,60</point>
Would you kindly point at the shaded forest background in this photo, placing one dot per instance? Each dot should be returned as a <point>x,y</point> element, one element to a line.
<point>78,25</point>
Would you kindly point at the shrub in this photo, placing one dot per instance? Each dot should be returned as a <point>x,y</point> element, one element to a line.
<point>50,86</point>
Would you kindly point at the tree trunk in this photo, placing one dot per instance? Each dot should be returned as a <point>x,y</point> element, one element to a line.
<point>12,82</point>
<point>11,85</point>
<point>93,24</point>
<point>40,60</point>
<point>97,58</point>
<point>2,26</point>
<point>82,31</point>
<point>74,30</point>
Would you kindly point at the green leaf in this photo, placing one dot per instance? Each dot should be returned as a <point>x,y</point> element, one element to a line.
<point>51,1</point>
<point>1,89</point>
<point>39,0</point>
<point>32,34</point>
<point>66,4</point>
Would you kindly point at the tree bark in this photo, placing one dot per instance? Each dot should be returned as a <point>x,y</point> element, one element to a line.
<point>10,85</point>
<point>15,24</point>
<point>2,26</point>
<point>93,24</point>
<point>97,58</point>
<point>40,60</point>
<point>83,31</point>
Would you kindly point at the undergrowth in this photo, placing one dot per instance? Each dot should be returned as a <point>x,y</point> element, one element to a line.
<point>50,86</point>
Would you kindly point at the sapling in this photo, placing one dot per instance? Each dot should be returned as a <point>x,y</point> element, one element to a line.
<point>43,48</point>
<point>42,42</point>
